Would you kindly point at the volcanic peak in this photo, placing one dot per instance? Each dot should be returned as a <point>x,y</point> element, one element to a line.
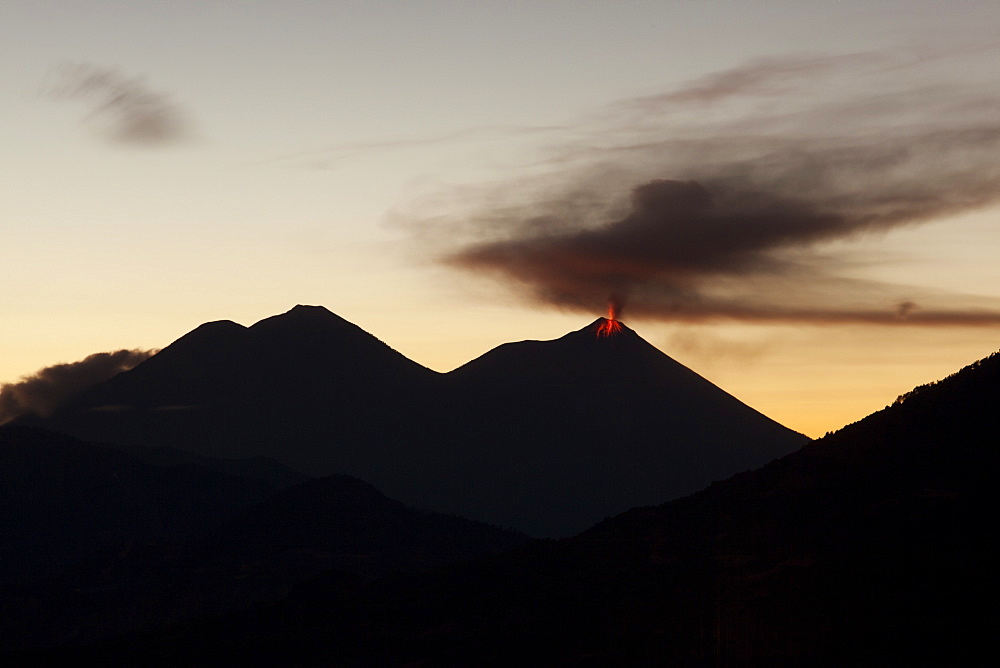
<point>303,317</point>
<point>605,329</point>
<point>312,327</point>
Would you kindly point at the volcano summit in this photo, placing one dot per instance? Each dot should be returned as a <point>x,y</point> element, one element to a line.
<point>544,436</point>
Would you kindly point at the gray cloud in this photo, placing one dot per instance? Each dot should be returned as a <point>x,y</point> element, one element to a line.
<point>745,178</point>
<point>45,390</point>
<point>122,108</point>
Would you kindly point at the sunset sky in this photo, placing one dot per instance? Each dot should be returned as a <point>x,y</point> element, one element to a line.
<point>454,175</point>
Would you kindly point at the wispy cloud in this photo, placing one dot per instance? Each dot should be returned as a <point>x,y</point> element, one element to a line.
<point>335,154</point>
<point>121,108</point>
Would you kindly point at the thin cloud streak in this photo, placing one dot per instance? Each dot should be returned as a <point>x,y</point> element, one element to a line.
<point>745,179</point>
<point>766,76</point>
<point>338,153</point>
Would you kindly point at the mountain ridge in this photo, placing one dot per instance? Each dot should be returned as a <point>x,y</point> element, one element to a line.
<point>94,539</point>
<point>544,436</point>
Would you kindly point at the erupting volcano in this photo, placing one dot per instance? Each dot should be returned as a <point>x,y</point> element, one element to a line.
<point>610,326</point>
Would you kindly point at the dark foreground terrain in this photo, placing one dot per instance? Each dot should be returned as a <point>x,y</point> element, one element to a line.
<point>875,545</point>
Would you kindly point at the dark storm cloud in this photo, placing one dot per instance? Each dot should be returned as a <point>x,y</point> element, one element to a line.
<point>745,179</point>
<point>123,108</point>
<point>43,392</point>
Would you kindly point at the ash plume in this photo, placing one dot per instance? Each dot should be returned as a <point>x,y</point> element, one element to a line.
<point>123,108</point>
<point>45,390</point>
<point>744,188</point>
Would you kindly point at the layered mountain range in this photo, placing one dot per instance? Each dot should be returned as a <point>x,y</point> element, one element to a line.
<point>875,545</point>
<point>544,436</point>
<point>97,540</point>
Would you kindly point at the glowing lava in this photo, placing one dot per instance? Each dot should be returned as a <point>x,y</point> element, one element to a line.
<point>610,326</point>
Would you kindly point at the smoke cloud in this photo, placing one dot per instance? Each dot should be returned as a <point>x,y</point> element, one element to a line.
<point>123,108</point>
<point>743,188</point>
<point>47,389</point>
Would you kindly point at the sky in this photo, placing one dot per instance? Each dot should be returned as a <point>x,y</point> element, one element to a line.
<point>795,199</point>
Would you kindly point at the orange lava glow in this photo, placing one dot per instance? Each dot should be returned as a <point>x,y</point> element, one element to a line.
<point>611,326</point>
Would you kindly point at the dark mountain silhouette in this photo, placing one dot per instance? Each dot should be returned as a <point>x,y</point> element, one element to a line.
<point>548,437</point>
<point>360,529</point>
<point>336,526</point>
<point>575,429</point>
<point>876,545</point>
<point>263,469</point>
<point>305,354</point>
<point>64,499</point>
<point>295,385</point>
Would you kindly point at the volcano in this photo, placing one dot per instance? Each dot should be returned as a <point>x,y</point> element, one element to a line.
<point>306,383</point>
<point>544,436</point>
<point>591,422</point>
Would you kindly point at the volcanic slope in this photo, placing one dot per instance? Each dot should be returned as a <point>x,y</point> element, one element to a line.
<point>576,429</point>
<point>546,437</point>
<point>306,387</point>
